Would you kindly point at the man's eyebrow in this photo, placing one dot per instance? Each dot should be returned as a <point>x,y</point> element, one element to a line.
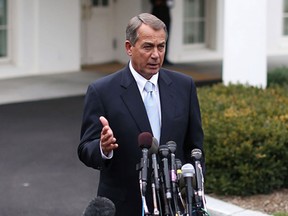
<point>148,43</point>
<point>151,43</point>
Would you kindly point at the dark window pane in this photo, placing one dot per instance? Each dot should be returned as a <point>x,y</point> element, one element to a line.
<point>286,26</point>
<point>100,3</point>
<point>194,32</point>
<point>3,12</point>
<point>194,21</point>
<point>3,43</point>
<point>286,6</point>
<point>96,2</point>
<point>105,3</point>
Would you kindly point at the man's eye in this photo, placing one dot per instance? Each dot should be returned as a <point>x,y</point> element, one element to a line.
<point>147,47</point>
<point>161,47</point>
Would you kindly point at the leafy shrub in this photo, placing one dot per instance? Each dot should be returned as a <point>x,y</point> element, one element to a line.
<point>246,138</point>
<point>278,76</point>
<point>281,214</point>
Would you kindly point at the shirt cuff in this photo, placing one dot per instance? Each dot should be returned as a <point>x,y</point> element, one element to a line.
<point>110,155</point>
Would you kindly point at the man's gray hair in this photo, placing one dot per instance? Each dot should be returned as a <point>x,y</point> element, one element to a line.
<point>136,22</point>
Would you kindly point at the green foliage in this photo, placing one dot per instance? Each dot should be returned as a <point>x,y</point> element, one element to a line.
<point>278,76</point>
<point>246,138</point>
<point>281,214</point>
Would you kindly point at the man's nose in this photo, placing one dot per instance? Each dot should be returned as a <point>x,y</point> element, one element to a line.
<point>155,53</point>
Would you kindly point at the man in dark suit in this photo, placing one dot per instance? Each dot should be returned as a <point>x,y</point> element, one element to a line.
<point>114,115</point>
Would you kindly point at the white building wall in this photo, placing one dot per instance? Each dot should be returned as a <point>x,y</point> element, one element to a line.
<point>46,37</point>
<point>244,55</point>
<point>58,27</point>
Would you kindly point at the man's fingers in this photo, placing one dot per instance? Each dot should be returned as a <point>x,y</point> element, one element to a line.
<point>104,121</point>
<point>110,147</point>
<point>108,141</point>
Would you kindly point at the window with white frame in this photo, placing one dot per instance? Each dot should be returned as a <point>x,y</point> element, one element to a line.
<point>285,18</point>
<point>100,3</point>
<point>3,29</point>
<point>194,22</point>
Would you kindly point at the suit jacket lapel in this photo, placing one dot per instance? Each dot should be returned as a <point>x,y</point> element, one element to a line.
<point>133,101</point>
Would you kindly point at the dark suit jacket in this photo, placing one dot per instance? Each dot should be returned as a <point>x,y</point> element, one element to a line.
<point>117,97</point>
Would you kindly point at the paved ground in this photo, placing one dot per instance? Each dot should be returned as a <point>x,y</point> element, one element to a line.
<point>40,171</point>
<point>52,167</point>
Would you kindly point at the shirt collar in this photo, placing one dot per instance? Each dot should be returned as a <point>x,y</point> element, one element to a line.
<point>140,80</point>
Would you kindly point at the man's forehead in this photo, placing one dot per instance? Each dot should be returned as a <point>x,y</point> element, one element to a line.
<point>152,37</point>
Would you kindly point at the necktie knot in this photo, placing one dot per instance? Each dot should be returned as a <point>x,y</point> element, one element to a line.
<point>149,86</point>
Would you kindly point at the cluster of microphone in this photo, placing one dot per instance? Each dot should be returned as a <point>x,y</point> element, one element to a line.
<point>177,190</point>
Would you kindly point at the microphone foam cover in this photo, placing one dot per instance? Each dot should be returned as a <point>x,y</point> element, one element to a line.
<point>154,147</point>
<point>178,163</point>
<point>196,153</point>
<point>188,170</point>
<point>163,150</point>
<point>100,206</point>
<point>145,140</point>
<point>172,146</point>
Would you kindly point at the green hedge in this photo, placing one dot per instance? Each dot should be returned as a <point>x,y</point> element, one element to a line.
<point>246,138</point>
<point>278,76</point>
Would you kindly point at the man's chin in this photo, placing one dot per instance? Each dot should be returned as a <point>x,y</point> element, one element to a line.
<point>154,69</point>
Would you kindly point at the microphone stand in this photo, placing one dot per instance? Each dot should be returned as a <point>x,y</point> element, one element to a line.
<point>156,186</point>
<point>156,212</point>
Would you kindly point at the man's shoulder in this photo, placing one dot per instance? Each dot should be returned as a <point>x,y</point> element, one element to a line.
<point>112,77</point>
<point>172,74</point>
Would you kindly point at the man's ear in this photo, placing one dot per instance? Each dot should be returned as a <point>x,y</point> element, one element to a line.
<point>128,47</point>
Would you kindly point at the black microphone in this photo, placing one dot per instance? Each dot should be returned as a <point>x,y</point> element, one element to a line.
<point>153,151</point>
<point>172,148</point>
<point>188,172</point>
<point>165,179</point>
<point>145,142</point>
<point>164,152</point>
<point>100,206</point>
<point>196,155</point>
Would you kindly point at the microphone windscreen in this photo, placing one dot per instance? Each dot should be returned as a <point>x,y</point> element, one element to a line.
<point>145,140</point>
<point>178,164</point>
<point>172,146</point>
<point>154,147</point>
<point>100,206</point>
<point>188,170</point>
<point>163,151</point>
<point>196,154</point>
